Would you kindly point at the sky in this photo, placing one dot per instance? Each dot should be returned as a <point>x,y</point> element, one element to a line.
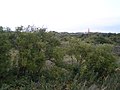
<point>62,15</point>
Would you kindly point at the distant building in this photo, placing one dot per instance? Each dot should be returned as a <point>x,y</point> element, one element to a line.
<point>88,30</point>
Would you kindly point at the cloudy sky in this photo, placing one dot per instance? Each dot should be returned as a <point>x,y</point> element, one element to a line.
<point>62,15</point>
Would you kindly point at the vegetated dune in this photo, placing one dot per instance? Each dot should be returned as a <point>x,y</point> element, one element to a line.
<point>41,60</point>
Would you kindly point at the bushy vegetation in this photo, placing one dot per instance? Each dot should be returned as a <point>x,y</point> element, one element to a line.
<point>34,59</point>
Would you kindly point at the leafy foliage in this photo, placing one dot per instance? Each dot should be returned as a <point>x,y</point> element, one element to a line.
<point>26,52</point>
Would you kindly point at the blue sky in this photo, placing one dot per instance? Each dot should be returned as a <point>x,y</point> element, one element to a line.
<point>62,15</point>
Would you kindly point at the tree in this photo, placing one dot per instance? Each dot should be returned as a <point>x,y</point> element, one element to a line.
<point>4,56</point>
<point>1,29</point>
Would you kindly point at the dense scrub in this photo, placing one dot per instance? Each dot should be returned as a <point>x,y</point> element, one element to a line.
<point>34,59</point>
